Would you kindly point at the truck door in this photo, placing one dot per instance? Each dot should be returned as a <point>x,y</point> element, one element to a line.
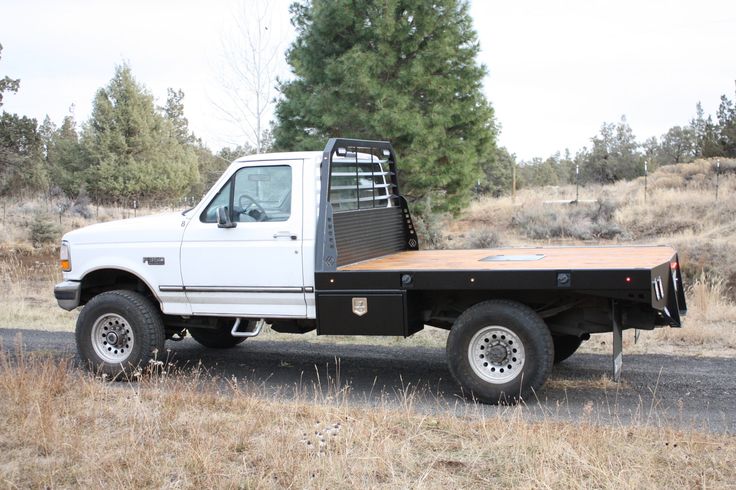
<point>253,269</point>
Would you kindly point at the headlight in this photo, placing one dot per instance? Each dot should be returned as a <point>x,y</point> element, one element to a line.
<point>65,257</point>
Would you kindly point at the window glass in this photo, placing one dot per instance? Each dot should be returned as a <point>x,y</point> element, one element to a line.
<point>260,194</point>
<point>359,184</point>
<point>222,198</point>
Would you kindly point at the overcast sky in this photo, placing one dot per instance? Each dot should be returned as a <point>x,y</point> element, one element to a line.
<point>557,70</point>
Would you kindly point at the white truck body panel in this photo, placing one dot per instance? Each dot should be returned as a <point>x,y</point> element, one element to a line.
<point>250,270</point>
<point>253,270</point>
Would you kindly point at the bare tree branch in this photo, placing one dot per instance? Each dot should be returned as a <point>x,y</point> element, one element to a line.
<point>252,55</point>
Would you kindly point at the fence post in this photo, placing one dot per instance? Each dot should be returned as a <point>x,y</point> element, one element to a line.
<point>646,175</point>
<point>718,174</point>
<point>577,182</point>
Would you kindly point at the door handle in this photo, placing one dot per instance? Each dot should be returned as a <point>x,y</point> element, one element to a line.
<point>284,234</point>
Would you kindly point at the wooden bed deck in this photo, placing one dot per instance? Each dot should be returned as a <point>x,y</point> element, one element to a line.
<point>641,257</point>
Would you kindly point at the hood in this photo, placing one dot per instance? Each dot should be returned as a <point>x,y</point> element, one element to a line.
<point>168,227</point>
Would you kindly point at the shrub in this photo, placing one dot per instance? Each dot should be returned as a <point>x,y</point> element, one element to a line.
<point>81,207</point>
<point>43,231</point>
<point>429,231</point>
<point>581,221</point>
<point>483,238</point>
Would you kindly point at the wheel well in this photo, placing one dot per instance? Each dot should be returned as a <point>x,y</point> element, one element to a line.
<point>102,280</point>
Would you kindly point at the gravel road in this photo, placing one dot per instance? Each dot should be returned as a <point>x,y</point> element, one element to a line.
<point>686,391</point>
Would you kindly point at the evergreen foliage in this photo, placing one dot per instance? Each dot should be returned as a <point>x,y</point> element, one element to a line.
<point>498,167</point>
<point>7,84</point>
<point>613,156</point>
<point>678,145</point>
<point>65,161</point>
<point>727,127</point>
<point>132,150</point>
<point>399,70</point>
<point>42,230</point>
<point>21,156</point>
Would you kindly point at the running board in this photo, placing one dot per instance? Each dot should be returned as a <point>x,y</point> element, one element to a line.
<point>236,333</point>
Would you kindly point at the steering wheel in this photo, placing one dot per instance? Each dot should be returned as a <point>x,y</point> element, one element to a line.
<point>261,215</point>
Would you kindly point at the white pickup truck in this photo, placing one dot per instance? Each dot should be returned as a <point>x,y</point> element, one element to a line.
<point>325,241</point>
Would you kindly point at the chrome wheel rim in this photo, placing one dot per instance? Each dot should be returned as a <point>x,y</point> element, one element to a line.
<point>112,338</point>
<point>496,354</point>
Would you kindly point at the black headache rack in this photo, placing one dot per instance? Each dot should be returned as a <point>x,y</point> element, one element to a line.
<point>362,215</point>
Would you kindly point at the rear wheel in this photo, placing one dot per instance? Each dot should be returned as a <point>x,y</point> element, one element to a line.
<point>119,330</point>
<point>216,338</point>
<point>565,346</point>
<point>500,351</point>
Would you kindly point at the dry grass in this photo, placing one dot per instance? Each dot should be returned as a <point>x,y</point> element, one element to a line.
<point>27,280</point>
<point>680,208</point>
<point>64,429</point>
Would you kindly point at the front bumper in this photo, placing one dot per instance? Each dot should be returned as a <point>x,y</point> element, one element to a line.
<point>67,294</point>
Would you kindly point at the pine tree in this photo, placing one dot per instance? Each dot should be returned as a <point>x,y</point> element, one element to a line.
<point>174,112</point>
<point>66,163</point>
<point>21,156</point>
<point>614,156</point>
<point>401,70</point>
<point>727,127</point>
<point>132,150</point>
<point>21,149</point>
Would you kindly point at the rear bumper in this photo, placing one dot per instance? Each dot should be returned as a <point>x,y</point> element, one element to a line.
<point>67,294</point>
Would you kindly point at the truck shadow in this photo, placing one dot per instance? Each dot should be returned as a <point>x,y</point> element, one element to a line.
<point>363,373</point>
<point>395,375</point>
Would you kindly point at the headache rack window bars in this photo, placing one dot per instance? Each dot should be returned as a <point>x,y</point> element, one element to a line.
<point>360,179</point>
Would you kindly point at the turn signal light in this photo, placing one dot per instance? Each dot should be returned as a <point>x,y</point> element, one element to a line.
<point>65,257</point>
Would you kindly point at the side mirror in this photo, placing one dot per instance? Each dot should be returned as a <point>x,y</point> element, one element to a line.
<point>223,218</point>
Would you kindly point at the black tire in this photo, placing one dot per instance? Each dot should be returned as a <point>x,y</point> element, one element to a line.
<point>487,326</point>
<point>565,346</point>
<point>219,338</point>
<point>134,321</point>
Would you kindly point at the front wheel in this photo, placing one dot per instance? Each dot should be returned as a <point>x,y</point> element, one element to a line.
<point>500,351</point>
<point>118,330</point>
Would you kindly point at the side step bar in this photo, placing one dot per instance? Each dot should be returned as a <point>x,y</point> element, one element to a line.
<point>237,333</point>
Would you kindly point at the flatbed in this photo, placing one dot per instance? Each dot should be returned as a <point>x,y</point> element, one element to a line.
<point>589,258</point>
